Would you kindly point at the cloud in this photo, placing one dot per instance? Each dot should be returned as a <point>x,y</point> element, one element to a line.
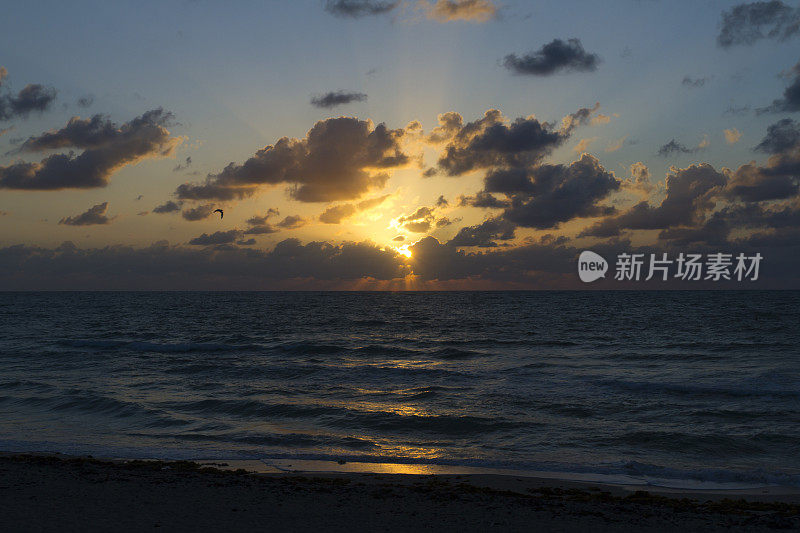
<point>93,216</point>
<point>199,212</point>
<point>337,213</point>
<point>694,83</point>
<point>674,147</point>
<point>616,145</point>
<point>690,192</point>
<point>583,145</point>
<point>339,159</point>
<point>545,264</point>
<point>186,164</point>
<point>330,100</point>
<point>258,224</point>
<point>106,148</point>
<point>781,137</point>
<point>85,101</point>
<point>639,182</point>
<point>167,207</point>
<point>455,10</point>
<point>31,98</point>
<point>420,221</point>
<point>732,136</point>
<point>483,199</point>
<point>552,194</point>
<point>778,178</point>
<point>555,56</point>
<point>484,234</point>
<point>493,142</point>
<point>732,110</point>
<point>218,237</point>
<point>359,8</point>
<point>790,103</point>
<point>746,24</point>
<point>292,222</point>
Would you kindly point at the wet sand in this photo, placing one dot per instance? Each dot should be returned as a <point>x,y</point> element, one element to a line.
<point>59,493</point>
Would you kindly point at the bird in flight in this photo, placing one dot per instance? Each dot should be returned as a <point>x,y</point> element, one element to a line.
<point>221,214</point>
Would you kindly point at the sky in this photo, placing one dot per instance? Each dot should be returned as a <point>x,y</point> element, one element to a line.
<point>380,144</point>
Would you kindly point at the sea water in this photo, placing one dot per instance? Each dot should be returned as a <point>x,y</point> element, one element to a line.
<point>692,386</point>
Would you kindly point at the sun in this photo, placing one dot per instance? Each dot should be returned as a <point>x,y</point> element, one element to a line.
<point>403,250</point>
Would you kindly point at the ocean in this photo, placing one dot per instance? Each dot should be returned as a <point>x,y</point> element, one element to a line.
<point>664,386</point>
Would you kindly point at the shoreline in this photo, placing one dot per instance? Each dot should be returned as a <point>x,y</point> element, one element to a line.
<point>53,491</point>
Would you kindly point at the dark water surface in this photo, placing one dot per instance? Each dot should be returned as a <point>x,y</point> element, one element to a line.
<point>685,385</point>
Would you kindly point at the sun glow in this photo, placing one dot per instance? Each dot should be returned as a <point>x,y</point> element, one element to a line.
<point>403,250</point>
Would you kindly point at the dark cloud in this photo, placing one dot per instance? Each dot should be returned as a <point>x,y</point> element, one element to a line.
<point>538,264</point>
<point>429,173</point>
<point>546,264</point>
<point>556,56</point>
<point>753,183</point>
<point>292,222</point>
<point>491,142</point>
<point>733,111</point>
<point>93,216</point>
<point>559,193</point>
<point>106,149</point>
<point>443,222</point>
<point>399,238</point>
<point>674,147</point>
<point>359,8</point>
<point>780,137</point>
<point>694,82</point>
<point>199,212</point>
<point>690,193</point>
<point>336,213</point>
<point>218,237</point>
<point>246,242</point>
<point>790,103</point>
<point>332,99</point>
<point>183,166</point>
<point>167,207</point>
<point>261,229</point>
<point>340,159</point>
<point>483,199</point>
<point>259,224</point>
<point>746,24</point>
<point>85,101</point>
<point>484,234</point>
<point>31,98</point>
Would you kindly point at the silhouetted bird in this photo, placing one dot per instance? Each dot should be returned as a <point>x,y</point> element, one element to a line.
<point>221,214</point>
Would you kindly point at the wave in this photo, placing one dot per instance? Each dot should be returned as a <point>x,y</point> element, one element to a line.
<point>142,346</point>
<point>285,440</point>
<point>750,388</point>
<point>349,418</point>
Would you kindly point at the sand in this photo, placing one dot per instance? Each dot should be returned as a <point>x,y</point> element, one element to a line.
<point>59,493</point>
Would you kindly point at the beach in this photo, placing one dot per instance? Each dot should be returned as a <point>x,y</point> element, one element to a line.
<point>54,492</point>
